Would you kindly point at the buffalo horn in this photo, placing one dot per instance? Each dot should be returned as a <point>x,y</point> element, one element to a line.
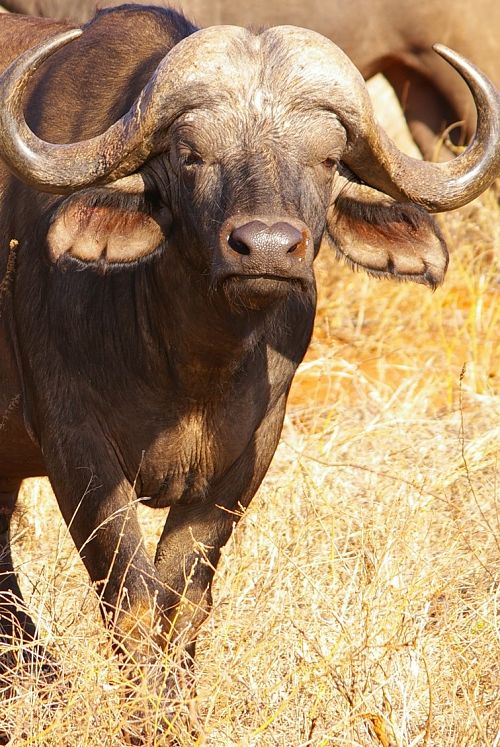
<point>436,186</point>
<point>179,83</point>
<point>50,167</point>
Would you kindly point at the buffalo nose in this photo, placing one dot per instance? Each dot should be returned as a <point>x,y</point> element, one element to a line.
<point>256,238</point>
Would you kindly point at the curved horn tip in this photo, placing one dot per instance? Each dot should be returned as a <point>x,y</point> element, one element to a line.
<point>452,57</point>
<point>33,57</point>
<point>441,49</point>
<point>456,60</point>
<point>71,33</point>
<point>60,40</point>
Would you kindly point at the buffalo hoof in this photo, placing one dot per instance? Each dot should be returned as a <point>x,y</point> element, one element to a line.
<point>141,732</point>
<point>26,663</point>
<point>28,667</point>
<point>170,719</point>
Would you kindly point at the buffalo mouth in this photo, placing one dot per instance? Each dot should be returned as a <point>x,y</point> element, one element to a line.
<point>258,290</point>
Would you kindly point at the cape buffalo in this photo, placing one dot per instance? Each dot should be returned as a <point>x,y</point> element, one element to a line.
<point>158,293</point>
<point>392,37</point>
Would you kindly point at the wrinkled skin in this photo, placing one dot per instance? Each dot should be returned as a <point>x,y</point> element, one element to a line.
<point>393,37</point>
<point>149,337</point>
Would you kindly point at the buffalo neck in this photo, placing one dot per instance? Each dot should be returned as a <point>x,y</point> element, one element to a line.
<point>197,332</point>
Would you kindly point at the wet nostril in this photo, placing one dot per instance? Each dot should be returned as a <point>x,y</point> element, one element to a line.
<point>246,239</point>
<point>237,245</point>
<point>286,236</point>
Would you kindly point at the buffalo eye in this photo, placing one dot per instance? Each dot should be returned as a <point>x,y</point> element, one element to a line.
<point>329,163</point>
<point>193,160</point>
<point>189,157</point>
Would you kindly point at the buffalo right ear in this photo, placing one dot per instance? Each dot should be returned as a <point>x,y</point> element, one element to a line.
<point>115,225</point>
<point>386,238</point>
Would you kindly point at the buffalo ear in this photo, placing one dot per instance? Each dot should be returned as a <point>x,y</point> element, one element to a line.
<point>107,226</point>
<point>386,238</point>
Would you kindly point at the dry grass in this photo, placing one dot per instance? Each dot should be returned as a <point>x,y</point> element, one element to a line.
<point>357,602</point>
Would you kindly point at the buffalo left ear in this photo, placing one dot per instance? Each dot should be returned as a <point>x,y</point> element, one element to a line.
<point>386,238</point>
<point>113,225</point>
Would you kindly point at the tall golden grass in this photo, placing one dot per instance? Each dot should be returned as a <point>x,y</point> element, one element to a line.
<point>356,604</point>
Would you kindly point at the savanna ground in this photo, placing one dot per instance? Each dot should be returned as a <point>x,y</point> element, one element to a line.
<point>356,603</point>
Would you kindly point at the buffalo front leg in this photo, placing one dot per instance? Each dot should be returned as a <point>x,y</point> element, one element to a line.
<point>15,623</point>
<point>186,560</point>
<point>99,507</point>
<point>194,535</point>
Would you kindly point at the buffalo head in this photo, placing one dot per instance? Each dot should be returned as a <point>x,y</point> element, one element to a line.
<point>249,149</point>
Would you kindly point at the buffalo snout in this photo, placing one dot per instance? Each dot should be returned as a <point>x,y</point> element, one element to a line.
<point>270,246</point>
<point>256,237</point>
